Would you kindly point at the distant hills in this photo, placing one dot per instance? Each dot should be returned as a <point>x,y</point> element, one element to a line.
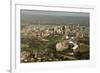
<point>52,17</point>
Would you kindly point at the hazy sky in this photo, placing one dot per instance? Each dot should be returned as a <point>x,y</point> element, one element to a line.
<point>53,17</point>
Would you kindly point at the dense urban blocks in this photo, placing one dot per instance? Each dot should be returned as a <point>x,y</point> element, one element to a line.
<point>54,36</point>
<point>61,42</point>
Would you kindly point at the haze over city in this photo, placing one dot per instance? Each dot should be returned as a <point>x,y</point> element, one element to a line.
<point>53,17</point>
